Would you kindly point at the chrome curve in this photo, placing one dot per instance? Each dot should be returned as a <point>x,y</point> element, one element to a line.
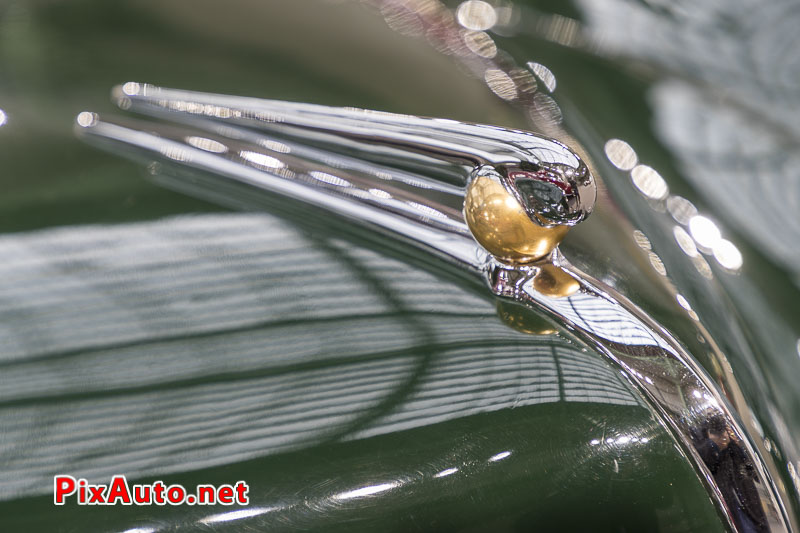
<point>548,179</point>
<point>406,176</point>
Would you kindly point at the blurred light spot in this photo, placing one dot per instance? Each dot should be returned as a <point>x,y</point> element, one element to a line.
<point>702,267</point>
<point>609,441</point>
<point>644,440</point>
<point>209,145</point>
<point>365,491</point>
<point>501,84</point>
<point>798,347</point>
<point>563,30</point>
<point>685,304</point>
<point>140,530</point>
<point>131,88</point>
<point>380,193</point>
<point>547,108</point>
<point>499,457</point>
<point>623,440</point>
<point>447,472</point>
<point>544,74</point>
<point>704,232</point>
<point>86,119</point>
<point>641,240</point>
<point>507,15</point>
<point>524,80</point>
<point>480,44</point>
<point>649,182</point>
<point>402,20</point>
<point>329,178</point>
<point>621,154</point>
<point>3,118</point>
<point>594,442</point>
<point>681,209</point>
<point>685,241</point>
<point>476,15</point>
<point>657,264</point>
<point>236,515</point>
<point>728,255</point>
<point>261,159</point>
<point>275,146</point>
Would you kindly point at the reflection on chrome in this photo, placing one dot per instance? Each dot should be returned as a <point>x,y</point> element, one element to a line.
<point>499,456</point>
<point>684,395</point>
<point>3,118</point>
<point>140,530</point>
<point>209,145</point>
<point>261,160</point>
<point>239,514</point>
<point>86,119</point>
<point>366,491</point>
<point>624,439</point>
<point>365,149</point>
<point>404,174</point>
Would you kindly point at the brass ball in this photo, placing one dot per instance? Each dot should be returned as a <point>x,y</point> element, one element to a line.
<point>500,224</point>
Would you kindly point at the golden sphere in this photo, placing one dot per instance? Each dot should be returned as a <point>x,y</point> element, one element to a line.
<point>555,282</point>
<point>500,224</point>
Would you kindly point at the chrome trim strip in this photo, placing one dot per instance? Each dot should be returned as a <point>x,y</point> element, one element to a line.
<point>407,177</point>
<point>681,392</point>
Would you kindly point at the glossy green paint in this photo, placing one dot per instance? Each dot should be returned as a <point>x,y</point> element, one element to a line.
<point>247,346</point>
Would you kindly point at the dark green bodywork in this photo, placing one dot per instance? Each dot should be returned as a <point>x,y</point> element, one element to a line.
<point>149,334</point>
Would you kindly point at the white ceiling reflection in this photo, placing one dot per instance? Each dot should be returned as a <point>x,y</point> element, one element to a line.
<point>499,456</point>
<point>446,472</point>
<point>363,492</point>
<point>238,514</point>
<point>99,321</point>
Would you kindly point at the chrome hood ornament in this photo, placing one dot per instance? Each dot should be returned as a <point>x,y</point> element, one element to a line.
<point>493,201</point>
<point>521,184</point>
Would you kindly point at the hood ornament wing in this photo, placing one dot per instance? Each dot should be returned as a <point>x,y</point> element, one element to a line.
<point>494,201</point>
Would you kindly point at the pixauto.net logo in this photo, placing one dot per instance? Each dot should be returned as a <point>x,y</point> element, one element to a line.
<point>119,492</point>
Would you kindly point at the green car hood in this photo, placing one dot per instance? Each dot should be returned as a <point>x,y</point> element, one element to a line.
<point>150,334</point>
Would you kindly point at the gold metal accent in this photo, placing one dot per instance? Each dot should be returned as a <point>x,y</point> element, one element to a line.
<point>555,282</point>
<point>524,319</point>
<point>500,224</point>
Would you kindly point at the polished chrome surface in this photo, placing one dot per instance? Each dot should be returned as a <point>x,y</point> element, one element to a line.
<point>671,380</point>
<point>357,163</point>
<point>548,179</point>
<point>408,177</point>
